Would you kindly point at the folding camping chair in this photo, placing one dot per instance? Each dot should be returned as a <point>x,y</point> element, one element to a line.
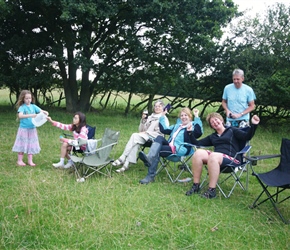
<point>97,160</point>
<point>278,178</point>
<point>175,165</point>
<point>91,135</point>
<point>233,173</point>
<point>147,144</point>
<point>91,132</point>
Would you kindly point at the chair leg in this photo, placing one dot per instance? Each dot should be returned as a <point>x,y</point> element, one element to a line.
<point>271,198</point>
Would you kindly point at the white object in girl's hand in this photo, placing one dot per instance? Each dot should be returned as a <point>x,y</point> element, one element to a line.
<point>39,120</point>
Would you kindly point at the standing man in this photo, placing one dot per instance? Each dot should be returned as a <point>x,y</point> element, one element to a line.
<point>238,101</point>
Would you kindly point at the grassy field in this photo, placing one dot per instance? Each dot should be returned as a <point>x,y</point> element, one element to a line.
<point>45,208</point>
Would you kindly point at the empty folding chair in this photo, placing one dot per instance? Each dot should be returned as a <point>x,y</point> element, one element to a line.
<point>97,160</point>
<point>275,181</point>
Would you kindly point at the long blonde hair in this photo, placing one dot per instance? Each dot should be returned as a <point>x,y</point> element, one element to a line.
<point>21,97</point>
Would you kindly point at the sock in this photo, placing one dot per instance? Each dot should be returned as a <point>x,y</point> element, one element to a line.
<point>211,189</point>
<point>61,160</point>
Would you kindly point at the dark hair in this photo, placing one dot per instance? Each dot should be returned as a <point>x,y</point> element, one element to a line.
<point>21,97</point>
<point>82,122</point>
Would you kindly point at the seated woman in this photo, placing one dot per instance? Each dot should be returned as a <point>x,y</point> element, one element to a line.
<point>226,141</point>
<point>79,129</point>
<point>178,135</point>
<point>148,129</point>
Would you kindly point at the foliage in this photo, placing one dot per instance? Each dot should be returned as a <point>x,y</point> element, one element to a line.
<point>174,50</point>
<point>152,43</point>
<point>260,46</point>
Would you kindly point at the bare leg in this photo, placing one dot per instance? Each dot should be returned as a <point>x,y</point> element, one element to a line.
<point>199,158</point>
<point>214,161</point>
<point>65,148</point>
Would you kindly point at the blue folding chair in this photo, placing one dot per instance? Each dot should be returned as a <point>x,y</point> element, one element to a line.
<point>175,165</point>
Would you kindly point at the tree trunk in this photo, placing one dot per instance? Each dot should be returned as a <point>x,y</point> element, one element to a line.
<point>86,93</point>
<point>70,84</point>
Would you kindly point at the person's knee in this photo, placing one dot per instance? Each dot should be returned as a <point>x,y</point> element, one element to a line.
<point>200,154</point>
<point>159,139</point>
<point>134,135</point>
<point>215,158</point>
<point>64,145</point>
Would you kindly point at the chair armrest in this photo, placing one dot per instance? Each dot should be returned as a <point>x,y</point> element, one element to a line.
<point>261,157</point>
<point>185,144</point>
<point>98,149</point>
<point>255,159</point>
<point>67,135</point>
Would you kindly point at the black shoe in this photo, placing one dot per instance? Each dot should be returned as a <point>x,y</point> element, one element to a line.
<point>194,189</point>
<point>209,194</point>
<point>143,157</point>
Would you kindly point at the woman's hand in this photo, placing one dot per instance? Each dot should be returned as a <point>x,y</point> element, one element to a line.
<point>189,127</point>
<point>255,120</point>
<point>195,112</point>
<point>164,112</point>
<point>145,114</point>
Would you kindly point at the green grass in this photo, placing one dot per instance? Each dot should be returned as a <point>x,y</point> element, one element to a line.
<point>45,208</point>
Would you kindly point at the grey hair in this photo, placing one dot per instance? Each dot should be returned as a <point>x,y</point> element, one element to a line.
<point>159,102</point>
<point>239,72</point>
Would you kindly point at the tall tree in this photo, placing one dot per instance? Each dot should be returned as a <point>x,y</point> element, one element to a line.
<point>154,42</point>
<point>259,46</point>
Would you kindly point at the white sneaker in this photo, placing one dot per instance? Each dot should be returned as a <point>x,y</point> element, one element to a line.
<point>58,165</point>
<point>68,165</point>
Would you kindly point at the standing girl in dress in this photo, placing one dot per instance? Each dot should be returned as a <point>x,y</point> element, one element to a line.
<point>79,129</point>
<point>27,138</point>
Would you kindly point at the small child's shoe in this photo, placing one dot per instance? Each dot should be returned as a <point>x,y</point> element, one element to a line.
<point>21,163</point>
<point>68,165</point>
<point>58,165</point>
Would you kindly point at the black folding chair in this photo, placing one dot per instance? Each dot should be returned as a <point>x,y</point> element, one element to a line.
<point>278,178</point>
<point>233,173</point>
